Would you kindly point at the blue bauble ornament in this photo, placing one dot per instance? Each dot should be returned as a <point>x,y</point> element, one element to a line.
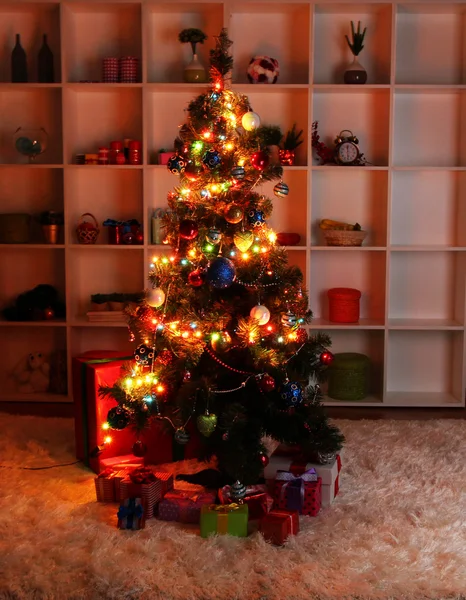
<point>181,436</point>
<point>144,355</point>
<point>176,164</point>
<point>212,159</point>
<point>256,217</point>
<point>281,189</point>
<point>291,393</point>
<point>221,273</point>
<point>238,173</point>
<point>118,417</point>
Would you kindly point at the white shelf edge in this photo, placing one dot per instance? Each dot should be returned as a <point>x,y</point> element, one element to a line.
<point>428,168</point>
<point>120,247</point>
<point>426,248</point>
<point>350,168</point>
<point>319,323</point>
<point>422,400</point>
<point>85,323</point>
<point>349,248</point>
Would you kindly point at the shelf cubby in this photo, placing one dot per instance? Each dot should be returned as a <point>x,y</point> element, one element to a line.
<point>297,258</point>
<point>364,112</point>
<point>31,108</point>
<point>84,335</point>
<point>364,271</point>
<point>281,31</point>
<point>352,196</point>
<point>102,271</point>
<point>97,30</point>
<point>430,46</point>
<point>31,191</point>
<point>427,285</point>
<point>370,343</point>
<point>435,198</point>
<point>425,368</point>
<point>98,117</point>
<point>429,128</point>
<point>31,21</point>
<point>331,53</point>
<point>166,56</point>
<point>107,194</point>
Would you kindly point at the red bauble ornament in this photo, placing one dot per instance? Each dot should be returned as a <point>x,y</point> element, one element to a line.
<point>326,358</point>
<point>196,278</point>
<point>188,229</point>
<point>139,448</point>
<point>264,460</point>
<point>260,160</point>
<point>145,315</point>
<point>267,383</point>
<point>49,313</point>
<point>165,357</point>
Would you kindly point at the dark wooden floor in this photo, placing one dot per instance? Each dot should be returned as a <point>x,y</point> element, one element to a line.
<point>66,410</point>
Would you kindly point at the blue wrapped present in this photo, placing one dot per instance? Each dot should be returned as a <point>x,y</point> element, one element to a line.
<point>131,514</point>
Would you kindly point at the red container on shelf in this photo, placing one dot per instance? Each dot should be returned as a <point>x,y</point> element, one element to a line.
<point>116,149</point>
<point>135,152</point>
<point>343,305</point>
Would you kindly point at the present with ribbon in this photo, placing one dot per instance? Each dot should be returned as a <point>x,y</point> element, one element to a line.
<point>298,492</point>
<point>224,519</point>
<point>184,505</point>
<point>277,525</point>
<point>166,479</point>
<point>329,473</point>
<point>257,498</point>
<point>107,484</point>
<point>131,514</point>
<point>142,483</point>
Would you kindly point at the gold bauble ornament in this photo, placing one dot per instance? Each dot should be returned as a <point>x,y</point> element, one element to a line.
<point>243,240</point>
<point>233,214</point>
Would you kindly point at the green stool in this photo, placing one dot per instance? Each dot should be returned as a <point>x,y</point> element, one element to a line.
<point>348,376</point>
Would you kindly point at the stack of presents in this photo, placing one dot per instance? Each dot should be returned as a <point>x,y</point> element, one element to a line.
<point>141,491</point>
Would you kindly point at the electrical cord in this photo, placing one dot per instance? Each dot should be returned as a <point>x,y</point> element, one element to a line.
<point>41,468</point>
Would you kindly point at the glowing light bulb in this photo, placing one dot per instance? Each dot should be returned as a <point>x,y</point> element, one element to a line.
<point>214,187</point>
<point>105,426</point>
<point>245,256</point>
<point>148,378</point>
<point>185,191</point>
<point>197,146</point>
<point>269,328</point>
<point>272,237</point>
<point>184,261</point>
<point>152,266</point>
<point>207,135</point>
<point>192,253</point>
<point>148,399</point>
<point>232,253</point>
<point>229,146</point>
<point>108,439</point>
<point>197,334</point>
<point>172,259</point>
<point>160,388</point>
<point>280,340</point>
<point>229,105</point>
<point>129,382</point>
<point>241,162</point>
<point>255,248</point>
<point>185,334</point>
<point>215,337</point>
<point>209,247</point>
<point>264,249</point>
<point>139,382</point>
<point>155,259</point>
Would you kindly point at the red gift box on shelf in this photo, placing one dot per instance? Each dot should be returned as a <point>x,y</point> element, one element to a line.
<point>142,483</point>
<point>277,525</point>
<point>257,498</point>
<point>131,514</point>
<point>107,484</point>
<point>184,505</point>
<point>90,371</point>
<point>298,492</point>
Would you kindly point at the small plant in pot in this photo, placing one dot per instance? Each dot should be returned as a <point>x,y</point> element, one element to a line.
<point>194,72</point>
<point>99,302</point>
<point>270,136</point>
<point>52,223</point>
<point>356,73</point>
<point>291,141</point>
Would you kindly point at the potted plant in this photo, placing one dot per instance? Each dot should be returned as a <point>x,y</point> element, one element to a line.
<point>194,72</point>
<point>116,301</point>
<point>270,136</point>
<point>291,141</point>
<point>356,73</point>
<point>52,223</point>
<point>99,302</point>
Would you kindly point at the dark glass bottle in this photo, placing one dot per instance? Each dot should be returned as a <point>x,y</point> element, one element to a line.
<point>19,68</point>
<point>45,63</point>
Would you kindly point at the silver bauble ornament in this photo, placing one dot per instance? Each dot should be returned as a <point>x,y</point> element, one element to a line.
<point>181,436</point>
<point>260,313</point>
<point>237,491</point>
<point>250,121</point>
<point>155,297</point>
<point>289,319</point>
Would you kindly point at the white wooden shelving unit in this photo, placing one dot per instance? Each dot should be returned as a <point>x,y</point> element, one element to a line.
<point>410,118</point>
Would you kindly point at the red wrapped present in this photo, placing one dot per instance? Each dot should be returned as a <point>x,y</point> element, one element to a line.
<point>257,498</point>
<point>166,479</point>
<point>277,525</point>
<point>107,484</point>
<point>142,483</point>
<point>127,461</point>
<point>131,514</point>
<point>298,492</point>
<point>184,505</point>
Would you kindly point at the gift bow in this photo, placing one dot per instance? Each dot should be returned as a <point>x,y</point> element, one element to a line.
<point>109,472</point>
<point>295,481</point>
<point>131,512</point>
<point>142,475</point>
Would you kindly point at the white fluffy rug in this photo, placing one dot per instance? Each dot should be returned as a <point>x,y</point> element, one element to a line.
<point>397,530</point>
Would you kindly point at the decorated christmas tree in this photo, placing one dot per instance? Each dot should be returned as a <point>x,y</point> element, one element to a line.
<point>221,338</point>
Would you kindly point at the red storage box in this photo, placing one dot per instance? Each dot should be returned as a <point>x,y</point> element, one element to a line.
<point>343,305</point>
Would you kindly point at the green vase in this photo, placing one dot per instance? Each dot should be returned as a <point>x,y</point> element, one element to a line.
<point>194,72</point>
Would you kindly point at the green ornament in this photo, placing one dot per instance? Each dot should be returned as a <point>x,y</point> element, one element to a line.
<point>207,423</point>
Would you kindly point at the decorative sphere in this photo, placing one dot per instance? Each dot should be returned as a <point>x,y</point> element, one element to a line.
<point>263,69</point>
<point>49,313</point>
<point>289,319</point>
<point>214,235</point>
<point>233,214</point>
<point>260,160</point>
<point>281,189</point>
<point>212,159</point>
<point>326,358</point>
<point>193,171</point>
<point>139,448</point>
<point>118,417</point>
<point>181,436</point>
<point>145,315</point>
<point>243,240</point>
<point>264,459</point>
<point>155,297</point>
<point>165,357</point>
<point>237,491</point>
<point>291,393</point>
<point>196,278</point>
<point>325,458</point>
<point>267,383</point>
<point>238,173</point>
<point>176,164</point>
<point>144,355</point>
<point>256,217</point>
<point>260,313</point>
<point>188,229</point>
<point>221,342</point>
<point>206,424</point>
<point>221,273</point>
<point>250,121</point>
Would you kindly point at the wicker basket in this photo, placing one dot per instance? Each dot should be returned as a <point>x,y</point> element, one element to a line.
<point>338,237</point>
<point>87,231</point>
<point>348,376</point>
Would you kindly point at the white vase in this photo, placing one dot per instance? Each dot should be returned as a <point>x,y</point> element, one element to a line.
<point>194,72</point>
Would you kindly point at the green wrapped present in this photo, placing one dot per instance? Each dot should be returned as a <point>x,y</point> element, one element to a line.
<point>224,519</point>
